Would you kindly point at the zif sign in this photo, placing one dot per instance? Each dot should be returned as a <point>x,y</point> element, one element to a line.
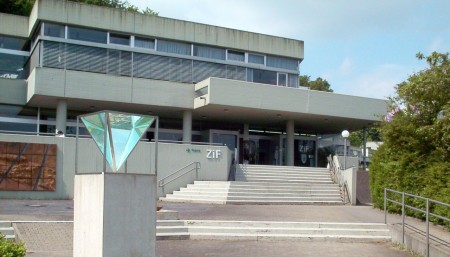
<point>213,154</point>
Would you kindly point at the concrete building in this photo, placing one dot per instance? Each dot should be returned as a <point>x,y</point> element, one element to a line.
<point>206,83</point>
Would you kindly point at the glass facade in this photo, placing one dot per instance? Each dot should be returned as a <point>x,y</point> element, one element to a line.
<point>89,35</point>
<point>12,66</point>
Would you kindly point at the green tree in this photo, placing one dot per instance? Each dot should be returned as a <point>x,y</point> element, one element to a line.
<point>23,7</point>
<point>415,156</point>
<point>318,84</point>
<point>356,138</point>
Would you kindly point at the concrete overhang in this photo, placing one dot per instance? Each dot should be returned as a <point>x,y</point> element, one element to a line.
<point>266,105</point>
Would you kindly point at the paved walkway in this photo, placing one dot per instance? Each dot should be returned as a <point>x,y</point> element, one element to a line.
<point>55,239</point>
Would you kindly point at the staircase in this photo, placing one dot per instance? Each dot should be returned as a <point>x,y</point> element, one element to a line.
<point>7,230</point>
<point>270,230</point>
<point>258,184</point>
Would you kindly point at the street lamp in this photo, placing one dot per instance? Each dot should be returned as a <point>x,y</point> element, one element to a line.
<point>345,135</point>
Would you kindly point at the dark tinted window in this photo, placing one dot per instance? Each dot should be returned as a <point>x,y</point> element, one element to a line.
<point>174,47</point>
<point>256,58</point>
<point>54,30</point>
<point>209,52</point>
<point>89,35</point>
<point>265,77</point>
<point>236,56</point>
<point>144,42</point>
<point>282,62</point>
<point>11,43</point>
<point>119,39</point>
<point>11,66</point>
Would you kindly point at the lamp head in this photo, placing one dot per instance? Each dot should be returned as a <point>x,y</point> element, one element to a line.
<point>345,134</point>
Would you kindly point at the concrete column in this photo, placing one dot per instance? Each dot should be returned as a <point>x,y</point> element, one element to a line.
<point>187,126</point>
<point>290,143</point>
<point>246,133</point>
<point>61,115</point>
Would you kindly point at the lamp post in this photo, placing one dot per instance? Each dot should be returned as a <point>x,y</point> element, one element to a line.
<point>345,135</point>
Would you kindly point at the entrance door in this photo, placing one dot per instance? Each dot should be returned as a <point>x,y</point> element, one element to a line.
<point>266,150</point>
<point>228,138</point>
<point>305,151</point>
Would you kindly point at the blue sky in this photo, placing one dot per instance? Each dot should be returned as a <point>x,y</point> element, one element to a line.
<point>361,47</point>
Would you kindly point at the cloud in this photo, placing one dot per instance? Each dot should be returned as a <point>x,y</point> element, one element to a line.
<point>379,82</point>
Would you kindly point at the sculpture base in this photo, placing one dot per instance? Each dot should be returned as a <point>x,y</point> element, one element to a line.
<point>114,215</point>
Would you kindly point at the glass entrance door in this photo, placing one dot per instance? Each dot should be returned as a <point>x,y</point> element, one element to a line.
<point>228,138</point>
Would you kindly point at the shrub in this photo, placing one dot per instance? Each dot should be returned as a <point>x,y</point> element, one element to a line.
<point>9,248</point>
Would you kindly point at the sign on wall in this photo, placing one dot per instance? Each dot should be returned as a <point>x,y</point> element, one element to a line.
<point>27,167</point>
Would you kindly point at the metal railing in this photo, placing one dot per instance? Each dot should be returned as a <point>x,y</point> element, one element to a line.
<point>427,212</point>
<point>338,178</point>
<point>188,168</point>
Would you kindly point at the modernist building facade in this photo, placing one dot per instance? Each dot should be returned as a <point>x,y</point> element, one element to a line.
<point>206,83</point>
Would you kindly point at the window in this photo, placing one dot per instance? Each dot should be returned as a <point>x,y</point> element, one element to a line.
<point>173,47</point>
<point>54,30</point>
<point>293,80</point>
<point>12,43</point>
<point>209,52</point>
<point>89,35</point>
<point>282,62</point>
<point>144,43</point>
<point>11,66</point>
<point>262,76</point>
<point>236,56</point>
<point>119,39</point>
<point>282,79</point>
<point>256,58</point>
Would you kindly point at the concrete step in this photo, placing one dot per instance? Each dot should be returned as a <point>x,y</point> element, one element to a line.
<point>282,180</point>
<point>251,201</point>
<point>287,172</point>
<point>257,197</point>
<point>5,224</point>
<point>257,230</point>
<point>253,184</point>
<point>7,231</point>
<point>258,194</point>
<point>296,176</point>
<point>273,167</point>
<point>221,191</point>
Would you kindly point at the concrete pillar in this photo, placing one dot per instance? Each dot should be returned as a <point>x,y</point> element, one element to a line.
<point>246,133</point>
<point>290,143</point>
<point>187,126</point>
<point>114,215</point>
<point>61,115</point>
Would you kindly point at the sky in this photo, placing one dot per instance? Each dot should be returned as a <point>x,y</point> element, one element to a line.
<point>361,47</point>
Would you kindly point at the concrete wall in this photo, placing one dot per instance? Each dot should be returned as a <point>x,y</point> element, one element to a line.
<point>171,157</point>
<point>13,91</point>
<point>236,93</point>
<point>13,25</point>
<point>160,27</point>
<point>102,87</point>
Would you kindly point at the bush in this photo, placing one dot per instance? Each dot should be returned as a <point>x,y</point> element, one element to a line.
<point>9,248</point>
<point>415,156</point>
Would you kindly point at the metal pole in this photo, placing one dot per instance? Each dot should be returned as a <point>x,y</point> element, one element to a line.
<point>403,218</point>
<point>428,228</point>
<point>345,153</point>
<point>76,146</point>
<point>156,146</point>
<point>385,212</point>
<point>364,148</point>
<point>38,122</point>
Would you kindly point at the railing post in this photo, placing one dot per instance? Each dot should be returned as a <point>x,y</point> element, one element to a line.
<point>428,228</point>
<point>385,211</point>
<point>403,218</point>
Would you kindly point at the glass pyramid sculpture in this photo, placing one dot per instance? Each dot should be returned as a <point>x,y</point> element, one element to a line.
<point>116,134</point>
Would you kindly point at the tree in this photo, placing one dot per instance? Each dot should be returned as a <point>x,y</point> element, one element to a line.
<point>318,84</point>
<point>23,7</point>
<point>415,156</point>
<point>356,138</point>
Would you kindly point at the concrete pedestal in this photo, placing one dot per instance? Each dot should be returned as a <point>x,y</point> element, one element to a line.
<point>115,215</point>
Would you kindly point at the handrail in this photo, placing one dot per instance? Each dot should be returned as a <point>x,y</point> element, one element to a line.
<point>426,212</point>
<point>162,182</point>
<point>338,178</point>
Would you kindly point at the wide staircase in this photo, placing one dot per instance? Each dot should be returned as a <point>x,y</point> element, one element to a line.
<point>258,184</point>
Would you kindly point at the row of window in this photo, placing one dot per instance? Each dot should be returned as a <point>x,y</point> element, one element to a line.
<point>168,46</point>
<point>150,66</point>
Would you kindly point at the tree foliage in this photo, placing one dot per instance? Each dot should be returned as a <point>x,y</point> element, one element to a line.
<point>23,7</point>
<point>356,138</point>
<point>318,84</point>
<point>415,156</point>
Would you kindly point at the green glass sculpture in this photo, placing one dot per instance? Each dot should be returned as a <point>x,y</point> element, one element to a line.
<point>122,131</point>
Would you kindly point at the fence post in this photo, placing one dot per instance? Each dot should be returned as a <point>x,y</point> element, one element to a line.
<point>403,218</point>
<point>385,214</point>
<point>428,228</point>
